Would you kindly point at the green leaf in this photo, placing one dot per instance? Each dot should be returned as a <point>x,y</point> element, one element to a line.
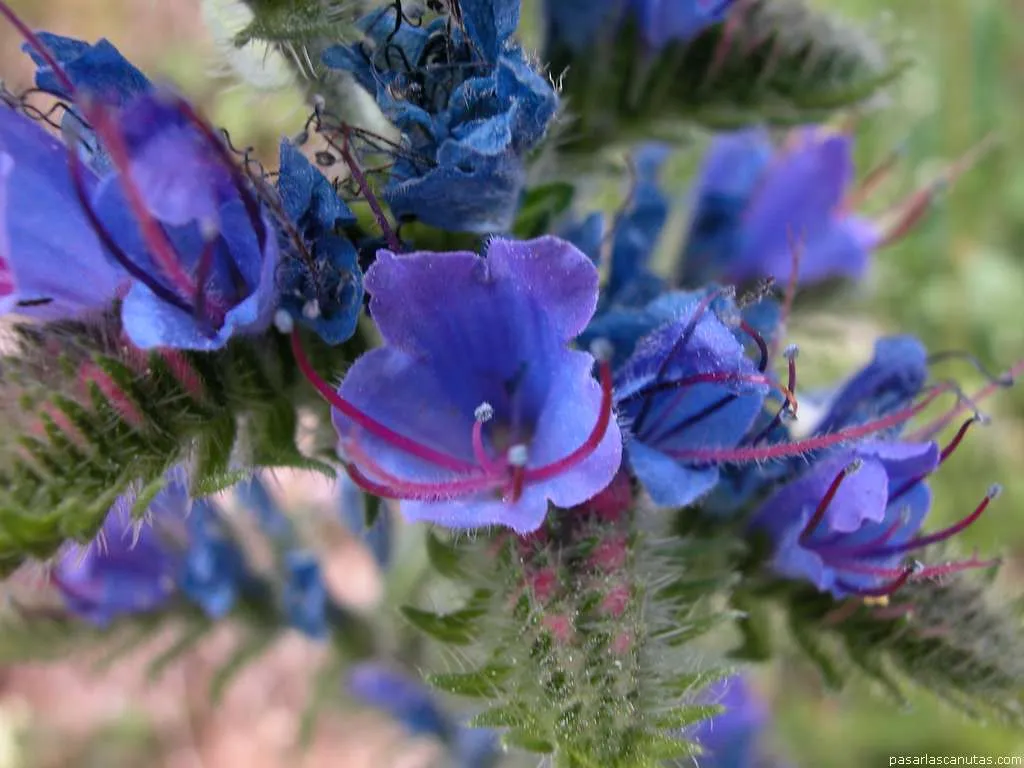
<point>443,556</point>
<point>540,207</point>
<point>458,628</point>
<point>482,683</point>
<point>678,718</point>
<point>502,716</point>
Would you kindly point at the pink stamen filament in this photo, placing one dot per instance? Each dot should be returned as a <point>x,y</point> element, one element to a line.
<point>930,430</point>
<point>924,541</point>
<point>786,406</point>
<point>870,182</point>
<point>371,425</point>
<point>920,573</point>
<point>945,454</point>
<point>883,591</point>
<point>106,239</point>
<point>747,454</point>
<point>796,251</point>
<point>416,490</point>
<point>480,451</point>
<point>540,474</point>
<point>713,377</point>
<point>364,186</point>
<point>826,500</point>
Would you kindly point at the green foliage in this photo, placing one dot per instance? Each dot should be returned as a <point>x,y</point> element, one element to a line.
<point>86,422</point>
<point>775,62</point>
<point>573,641</point>
<point>952,638</point>
<point>297,22</point>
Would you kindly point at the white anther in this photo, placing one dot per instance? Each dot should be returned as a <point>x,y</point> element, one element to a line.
<point>602,350</point>
<point>994,491</point>
<point>484,412</point>
<point>791,352</point>
<point>518,455</point>
<point>209,230</point>
<point>311,309</point>
<point>854,466</point>
<point>283,321</point>
<point>917,567</point>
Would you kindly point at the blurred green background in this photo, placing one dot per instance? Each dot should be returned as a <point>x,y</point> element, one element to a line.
<point>958,282</point>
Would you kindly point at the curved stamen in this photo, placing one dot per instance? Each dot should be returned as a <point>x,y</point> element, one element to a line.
<point>826,500</point>
<point>483,414</point>
<point>548,471</point>
<point>945,454</point>
<point>371,425</point>
<point>928,431</point>
<point>153,234</point>
<point>748,454</point>
<point>762,345</point>
<point>796,252</point>
<point>107,240</point>
<point>934,538</point>
<point>790,354</point>
<point>885,590</point>
<point>409,489</point>
<point>1003,380</point>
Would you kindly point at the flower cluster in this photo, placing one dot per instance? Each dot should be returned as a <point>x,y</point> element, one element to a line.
<point>567,392</point>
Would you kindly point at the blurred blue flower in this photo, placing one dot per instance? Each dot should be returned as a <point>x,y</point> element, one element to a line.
<point>468,103</point>
<point>753,205</point>
<point>580,24</point>
<point>689,384</point>
<point>731,739</point>
<point>410,703</point>
<point>322,289</point>
<point>214,571</point>
<point>305,596</point>
<point>52,264</point>
<point>475,412</point>
<point>129,568</point>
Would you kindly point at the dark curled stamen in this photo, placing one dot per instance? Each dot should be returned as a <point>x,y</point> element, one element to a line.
<point>1005,380</point>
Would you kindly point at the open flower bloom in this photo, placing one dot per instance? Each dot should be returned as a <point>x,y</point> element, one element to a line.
<point>849,522</point>
<point>687,385</point>
<point>469,105</point>
<point>476,411</point>
<point>755,205</point>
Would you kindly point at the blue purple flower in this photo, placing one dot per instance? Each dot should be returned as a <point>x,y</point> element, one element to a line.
<point>469,104</point>
<point>849,522</point>
<point>475,412</point>
<point>689,384</point>
<point>754,206</point>
<point>321,285</point>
